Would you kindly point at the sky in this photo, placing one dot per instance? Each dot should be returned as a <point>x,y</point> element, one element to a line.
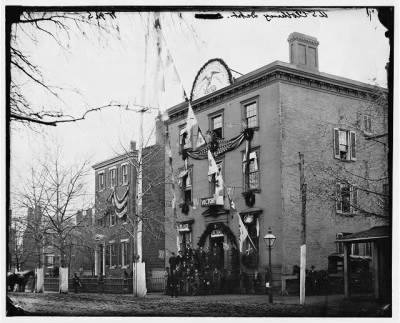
<point>120,68</point>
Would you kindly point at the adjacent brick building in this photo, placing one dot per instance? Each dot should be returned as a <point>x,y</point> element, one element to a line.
<point>292,108</point>
<point>115,205</point>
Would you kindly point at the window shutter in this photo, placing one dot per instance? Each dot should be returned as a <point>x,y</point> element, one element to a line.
<point>338,198</point>
<point>353,198</point>
<point>336,143</point>
<point>353,145</point>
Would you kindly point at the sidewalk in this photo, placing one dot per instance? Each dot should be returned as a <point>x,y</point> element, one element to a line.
<point>158,304</point>
<point>255,298</point>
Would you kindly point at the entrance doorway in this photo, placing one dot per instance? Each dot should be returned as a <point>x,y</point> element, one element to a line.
<point>217,252</point>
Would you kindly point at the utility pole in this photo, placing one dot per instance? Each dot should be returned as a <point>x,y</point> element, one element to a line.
<point>303,192</point>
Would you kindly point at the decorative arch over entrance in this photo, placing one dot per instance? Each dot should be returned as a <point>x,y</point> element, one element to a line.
<point>217,226</point>
<point>219,237</point>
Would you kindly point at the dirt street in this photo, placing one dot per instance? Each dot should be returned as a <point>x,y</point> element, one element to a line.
<point>71,304</point>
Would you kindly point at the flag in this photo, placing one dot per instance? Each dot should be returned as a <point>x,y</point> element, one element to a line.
<point>253,156</point>
<point>243,234</point>
<point>178,247</point>
<point>200,139</point>
<point>229,191</point>
<point>219,184</point>
<point>212,165</point>
<point>191,121</point>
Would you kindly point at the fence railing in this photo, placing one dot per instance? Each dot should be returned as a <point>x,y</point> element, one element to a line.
<point>156,284</point>
<point>51,284</point>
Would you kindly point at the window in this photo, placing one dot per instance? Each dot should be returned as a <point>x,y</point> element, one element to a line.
<point>124,171</point>
<point>101,181</point>
<point>187,185</point>
<point>344,144</point>
<point>184,141</point>
<point>113,177</point>
<point>185,239</point>
<point>386,198</point>
<point>49,260</point>
<point>113,253</point>
<point>112,218</point>
<point>124,252</point>
<point>346,198</point>
<point>362,249</point>
<point>216,126</point>
<point>252,179</point>
<point>339,245</point>
<point>250,114</point>
<point>185,182</point>
<point>367,124</point>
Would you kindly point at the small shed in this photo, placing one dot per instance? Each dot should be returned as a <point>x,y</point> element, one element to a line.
<point>381,239</point>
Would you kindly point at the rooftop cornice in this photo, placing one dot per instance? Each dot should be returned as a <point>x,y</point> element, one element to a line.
<point>278,72</point>
<point>304,38</point>
<point>114,160</point>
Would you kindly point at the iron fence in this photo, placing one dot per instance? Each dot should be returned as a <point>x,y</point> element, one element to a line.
<point>156,284</point>
<point>51,284</point>
<point>110,285</point>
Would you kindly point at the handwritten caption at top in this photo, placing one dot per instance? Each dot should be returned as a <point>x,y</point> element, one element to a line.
<point>286,14</point>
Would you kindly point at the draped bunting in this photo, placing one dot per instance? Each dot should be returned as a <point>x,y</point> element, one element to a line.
<point>224,146</point>
<point>120,204</point>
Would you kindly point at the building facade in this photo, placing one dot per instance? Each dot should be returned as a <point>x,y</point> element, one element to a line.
<point>116,220</point>
<point>291,108</point>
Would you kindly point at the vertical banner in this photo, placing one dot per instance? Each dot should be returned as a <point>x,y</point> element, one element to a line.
<point>139,279</point>
<point>39,280</point>
<point>302,274</point>
<point>63,280</point>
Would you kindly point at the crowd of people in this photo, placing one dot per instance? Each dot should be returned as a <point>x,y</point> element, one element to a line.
<point>198,272</point>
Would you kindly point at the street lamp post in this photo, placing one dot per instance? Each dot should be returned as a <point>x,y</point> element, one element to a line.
<point>269,239</point>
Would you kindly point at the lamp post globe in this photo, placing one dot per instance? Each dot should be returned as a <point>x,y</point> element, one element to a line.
<point>269,240</point>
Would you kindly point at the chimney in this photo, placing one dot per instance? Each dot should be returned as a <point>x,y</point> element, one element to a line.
<point>303,50</point>
<point>160,130</point>
<point>133,145</point>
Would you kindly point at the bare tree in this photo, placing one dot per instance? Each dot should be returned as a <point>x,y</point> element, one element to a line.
<point>364,189</point>
<point>55,192</point>
<point>28,25</point>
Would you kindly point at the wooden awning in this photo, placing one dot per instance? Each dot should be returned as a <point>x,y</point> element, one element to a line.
<point>375,233</point>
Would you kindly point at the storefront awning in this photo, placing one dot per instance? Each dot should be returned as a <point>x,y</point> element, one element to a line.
<point>375,233</point>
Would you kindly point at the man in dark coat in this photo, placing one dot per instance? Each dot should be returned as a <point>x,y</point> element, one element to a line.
<point>172,262</point>
<point>76,283</point>
<point>174,280</point>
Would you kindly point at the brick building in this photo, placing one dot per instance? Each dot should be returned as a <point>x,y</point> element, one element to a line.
<point>291,108</point>
<point>115,205</point>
